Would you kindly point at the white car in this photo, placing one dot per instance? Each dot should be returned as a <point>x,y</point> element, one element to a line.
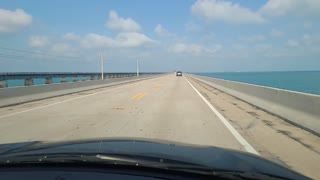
<point>178,73</point>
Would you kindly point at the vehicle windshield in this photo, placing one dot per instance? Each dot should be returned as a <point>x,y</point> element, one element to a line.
<point>233,74</point>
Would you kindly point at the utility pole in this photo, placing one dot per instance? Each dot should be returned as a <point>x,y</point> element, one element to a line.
<point>137,67</point>
<point>102,71</point>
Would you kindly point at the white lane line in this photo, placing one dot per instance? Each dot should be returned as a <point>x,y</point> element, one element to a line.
<point>234,132</point>
<point>64,101</point>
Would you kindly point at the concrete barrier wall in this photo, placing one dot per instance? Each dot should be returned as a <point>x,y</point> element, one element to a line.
<point>17,95</point>
<point>300,109</point>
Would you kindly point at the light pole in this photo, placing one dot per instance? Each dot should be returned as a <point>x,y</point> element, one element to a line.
<point>137,67</point>
<point>102,71</point>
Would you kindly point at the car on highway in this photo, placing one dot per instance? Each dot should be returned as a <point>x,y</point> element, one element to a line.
<point>178,73</point>
<point>133,159</point>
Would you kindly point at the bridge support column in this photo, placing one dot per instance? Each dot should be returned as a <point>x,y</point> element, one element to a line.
<point>84,78</point>
<point>63,79</point>
<point>48,80</point>
<point>3,84</point>
<point>28,82</point>
<point>74,79</point>
<point>92,77</point>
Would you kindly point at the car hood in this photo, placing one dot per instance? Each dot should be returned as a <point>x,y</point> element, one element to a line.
<point>208,156</point>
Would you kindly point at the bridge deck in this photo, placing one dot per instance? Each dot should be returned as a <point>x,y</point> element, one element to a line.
<point>168,108</point>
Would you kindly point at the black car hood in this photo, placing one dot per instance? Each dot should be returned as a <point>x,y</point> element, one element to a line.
<point>208,156</point>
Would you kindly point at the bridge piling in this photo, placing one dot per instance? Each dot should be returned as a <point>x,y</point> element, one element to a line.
<point>28,82</point>
<point>48,80</point>
<point>63,79</point>
<point>3,84</point>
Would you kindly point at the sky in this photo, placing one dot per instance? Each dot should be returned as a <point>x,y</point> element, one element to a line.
<point>166,35</point>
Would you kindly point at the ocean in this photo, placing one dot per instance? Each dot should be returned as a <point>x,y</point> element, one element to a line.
<point>39,81</point>
<point>301,81</point>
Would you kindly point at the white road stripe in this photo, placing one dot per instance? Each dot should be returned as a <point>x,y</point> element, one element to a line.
<point>41,107</point>
<point>234,132</point>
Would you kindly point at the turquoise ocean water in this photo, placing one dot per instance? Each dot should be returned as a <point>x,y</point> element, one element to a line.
<point>301,81</point>
<point>39,81</point>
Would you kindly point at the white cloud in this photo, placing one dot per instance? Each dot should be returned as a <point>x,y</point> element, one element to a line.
<point>256,38</point>
<point>161,31</point>
<point>124,39</point>
<point>121,24</point>
<point>195,49</point>
<point>311,39</point>
<point>71,37</point>
<point>65,49</point>
<point>192,27</point>
<point>291,7</point>
<point>13,21</point>
<point>62,48</point>
<point>217,10</point>
<point>262,48</point>
<point>307,43</point>
<point>131,39</point>
<point>93,40</point>
<point>276,33</point>
<point>253,38</point>
<point>38,41</point>
<point>293,43</point>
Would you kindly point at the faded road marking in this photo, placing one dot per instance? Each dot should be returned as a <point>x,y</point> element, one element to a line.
<point>157,85</point>
<point>234,132</point>
<point>138,96</point>
<point>141,96</point>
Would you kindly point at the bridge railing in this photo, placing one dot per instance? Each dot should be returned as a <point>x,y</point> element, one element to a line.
<point>297,108</point>
<point>18,95</point>
<point>28,77</point>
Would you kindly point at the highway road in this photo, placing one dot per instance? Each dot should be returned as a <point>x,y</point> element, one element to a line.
<point>162,108</point>
<point>167,107</point>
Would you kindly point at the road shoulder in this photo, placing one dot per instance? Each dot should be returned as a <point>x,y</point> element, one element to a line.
<point>271,136</point>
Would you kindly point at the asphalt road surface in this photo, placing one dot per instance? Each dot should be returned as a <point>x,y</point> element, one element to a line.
<point>162,108</point>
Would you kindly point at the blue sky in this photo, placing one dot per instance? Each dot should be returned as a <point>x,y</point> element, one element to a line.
<point>166,35</point>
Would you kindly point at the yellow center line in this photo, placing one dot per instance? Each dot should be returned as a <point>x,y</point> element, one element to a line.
<point>157,85</point>
<point>141,96</point>
<point>135,96</point>
<point>138,96</point>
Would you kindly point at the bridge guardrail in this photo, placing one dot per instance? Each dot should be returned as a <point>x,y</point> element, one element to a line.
<point>17,95</point>
<point>298,108</point>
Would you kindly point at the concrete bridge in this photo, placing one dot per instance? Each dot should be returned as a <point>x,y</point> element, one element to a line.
<point>280,125</point>
<point>28,77</point>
